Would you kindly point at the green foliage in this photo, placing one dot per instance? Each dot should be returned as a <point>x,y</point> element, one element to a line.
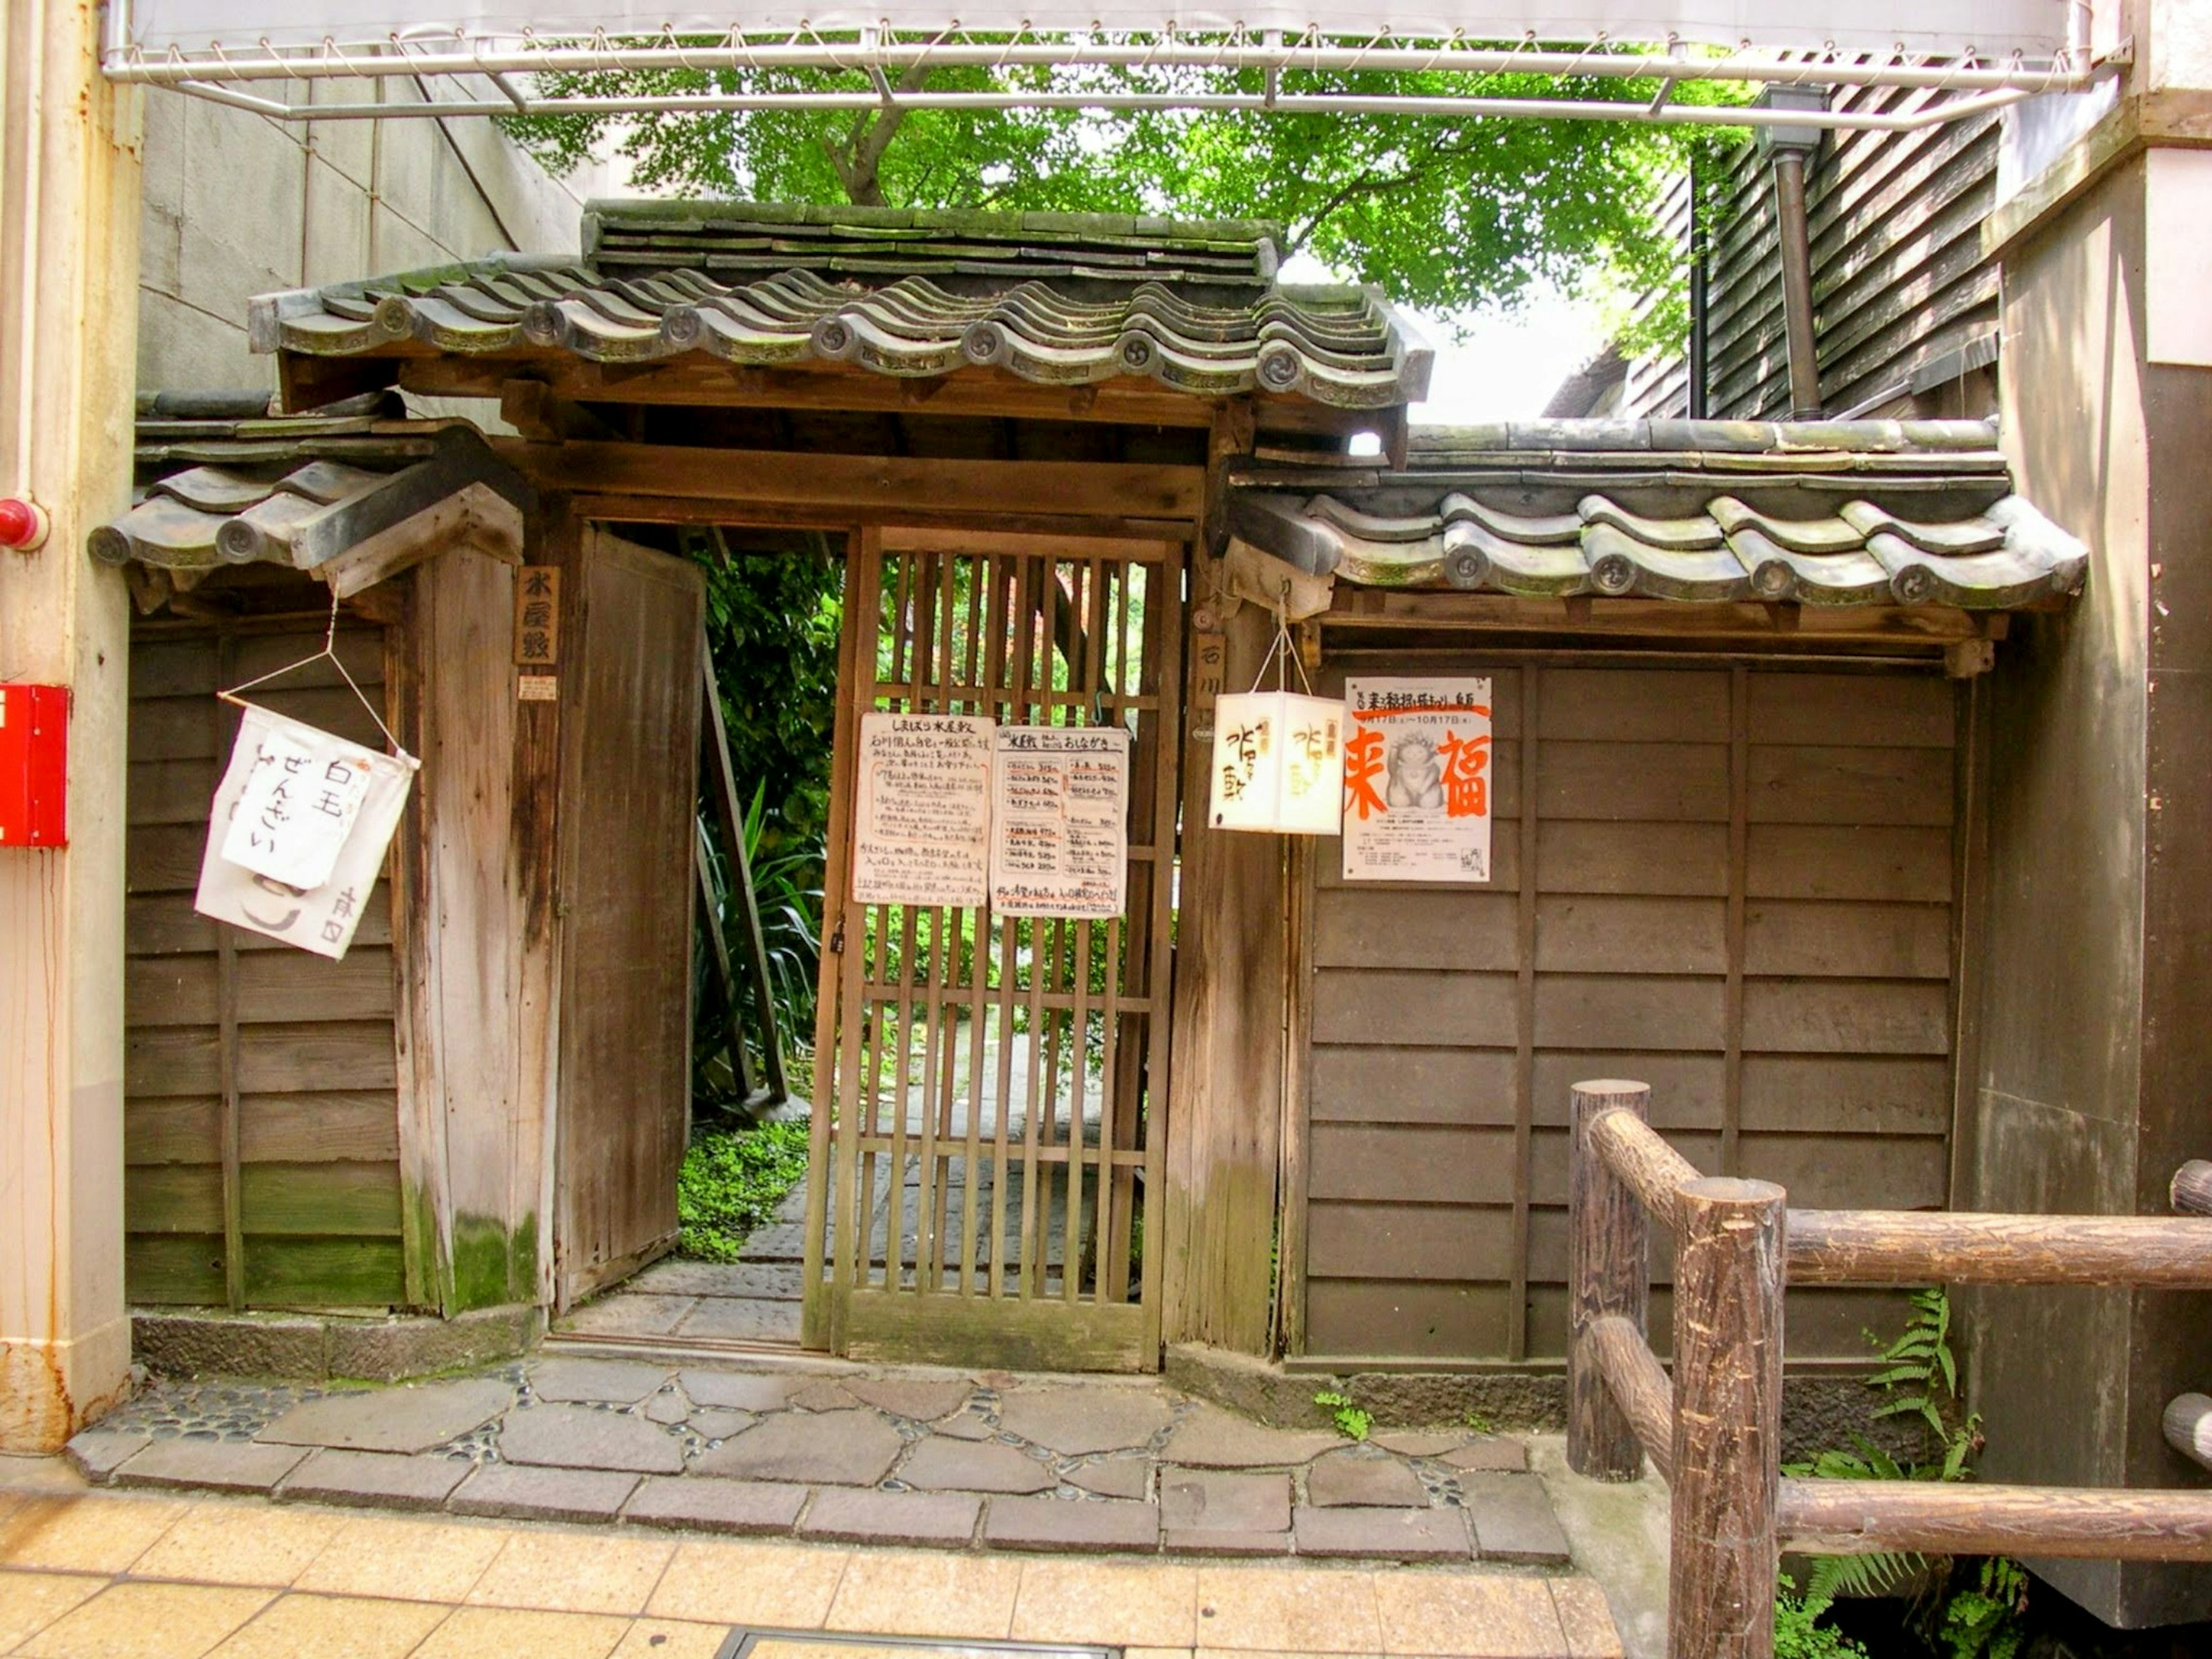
<point>1966,1609</point>
<point>1443,212</point>
<point>1798,1633</point>
<point>1351,1420</point>
<point>1480,1423</point>
<point>730,1183</point>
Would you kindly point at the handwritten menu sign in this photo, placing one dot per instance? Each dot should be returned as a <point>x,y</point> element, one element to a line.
<point>1059,821</point>
<point>1417,781</point>
<point>922,810</point>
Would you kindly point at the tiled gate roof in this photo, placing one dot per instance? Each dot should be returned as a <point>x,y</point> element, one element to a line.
<point>1060,299</point>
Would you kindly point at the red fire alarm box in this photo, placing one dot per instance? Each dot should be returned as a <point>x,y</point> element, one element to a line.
<point>34,765</point>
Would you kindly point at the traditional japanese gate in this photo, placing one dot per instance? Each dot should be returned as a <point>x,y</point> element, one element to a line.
<point>997,1083</point>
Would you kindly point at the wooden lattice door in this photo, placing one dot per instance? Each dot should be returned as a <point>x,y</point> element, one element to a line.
<point>996,1085</point>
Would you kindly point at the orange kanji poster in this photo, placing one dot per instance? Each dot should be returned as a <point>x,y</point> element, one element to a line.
<point>1417,781</point>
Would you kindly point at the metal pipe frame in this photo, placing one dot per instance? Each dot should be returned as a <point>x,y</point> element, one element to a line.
<point>1973,88</point>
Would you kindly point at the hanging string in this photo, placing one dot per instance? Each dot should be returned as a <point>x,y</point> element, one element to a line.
<point>329,650</point>
<point>1282,651</point>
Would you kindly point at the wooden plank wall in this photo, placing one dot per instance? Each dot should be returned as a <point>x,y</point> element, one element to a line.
<point>1898,277</point>
<point>261,1127</point>
<point>1733,883</point>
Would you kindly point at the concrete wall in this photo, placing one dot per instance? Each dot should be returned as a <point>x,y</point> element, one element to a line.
<point>2095,1058</point>
<point>237,203</point>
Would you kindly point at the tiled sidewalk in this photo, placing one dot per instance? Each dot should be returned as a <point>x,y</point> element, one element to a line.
<point>990,1461</point>
<point>104,1575</point>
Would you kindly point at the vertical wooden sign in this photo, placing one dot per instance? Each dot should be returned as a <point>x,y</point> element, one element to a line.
<point>537,616</point>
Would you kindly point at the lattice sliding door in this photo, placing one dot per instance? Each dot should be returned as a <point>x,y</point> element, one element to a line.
<point>997,1081</point>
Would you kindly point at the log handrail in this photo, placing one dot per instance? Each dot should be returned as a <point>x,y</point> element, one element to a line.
<point>1713,1430</point>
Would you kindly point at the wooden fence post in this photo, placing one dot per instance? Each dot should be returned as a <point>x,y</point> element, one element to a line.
<point>1727,1419</point>
<point>1608,1272</point>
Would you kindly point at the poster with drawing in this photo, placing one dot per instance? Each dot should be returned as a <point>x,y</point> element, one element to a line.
<point>1417,781</point>
<point>921,818</point>
<point>312,815</point>
<point>1059,821</point>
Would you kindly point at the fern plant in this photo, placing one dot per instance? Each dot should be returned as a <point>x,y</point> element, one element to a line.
<point>1353,1421</point>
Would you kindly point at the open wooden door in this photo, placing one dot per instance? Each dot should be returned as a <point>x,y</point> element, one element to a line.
<point>998,1084</point>
<point>628,793</point>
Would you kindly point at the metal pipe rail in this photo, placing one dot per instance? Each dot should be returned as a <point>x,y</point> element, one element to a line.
<point>1714,1431</point>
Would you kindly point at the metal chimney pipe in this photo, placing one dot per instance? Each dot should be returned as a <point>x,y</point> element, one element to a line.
<point>1796,285</point>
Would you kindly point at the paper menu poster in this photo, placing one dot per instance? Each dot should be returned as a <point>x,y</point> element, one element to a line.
<point>921,817</point>
<point>1059,829</point>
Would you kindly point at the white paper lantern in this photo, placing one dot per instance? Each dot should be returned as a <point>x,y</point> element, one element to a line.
<point>1279,763</point>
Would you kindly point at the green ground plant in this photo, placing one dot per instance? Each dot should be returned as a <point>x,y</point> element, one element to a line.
<point>1351,1420</point>
<point>730,1183</point>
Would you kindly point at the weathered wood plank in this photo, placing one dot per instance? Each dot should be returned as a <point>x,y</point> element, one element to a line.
<point>1896,1171</point>
<point>169,792</point>
<point>1650,859</point>
<point>163,858</point>
<point>1592,934</point>
<point>171,1270</point>
<point>1374,1085</point>
<point>169,991</point>
<point>1589,1010</point>
<point>324,1273</point>
<point>1615,783</point>
<point>166,1061</point>
<point>1847,1094</point>
<point>295,1058</point>
<point>318,1199</point>
<point>1407,1318</point>
<point>1851,940</point>
<point>1885,711</point>
<point>163,924</point>
<point>172,1198</point>
<point>1794,784</point>
<point>1459,1242</point>
<point>291,987</point>
<point>1686,1088</point>
<point>1833,1017</point>
<point>327,1125</point>
<point>1406,1163</point>
<point>1835,861</point>
<point>1630,705</point>
<point>1460,928</point>
<point>1416,1008</point>
<point>187,1130</point>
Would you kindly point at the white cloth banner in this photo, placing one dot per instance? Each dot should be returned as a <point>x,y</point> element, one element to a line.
<point>318,916</point>
<point>1936,27</point>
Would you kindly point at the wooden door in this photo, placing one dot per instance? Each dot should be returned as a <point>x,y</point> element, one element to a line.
<point>997,1084</point>
<point>628,790</point>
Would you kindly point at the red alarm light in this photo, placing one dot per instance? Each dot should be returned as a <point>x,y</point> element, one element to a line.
<point>23,524</point>
<point>35,765</point>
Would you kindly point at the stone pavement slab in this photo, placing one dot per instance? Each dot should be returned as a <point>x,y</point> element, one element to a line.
<point>630,1314</point>
<point>733,1320</point>
<point>1079,1419</point>
<point>836,1448</point>
<point>396,1480</point>
<point>520,1493</point>
<point>704,1504</point>
<point>936,1465</point>
<point>1206,1437</point>
<point>1491,1452</point>
<point>849,1516</point>
<point>96,1453</point>
<point>614,1381</point>
<point>580,1437</point>
<point>820,1393</point>
<point>217,1465</point>
<point>1209,1500</point>
<point>772,1281</point>
<point>1363,1479</point>
<point>399,1419</point>
<point>1115,1477</point>
<point>1396,1534</point>
<point>742,1390</point>
<point>920,1400</point>
<point>713,1425</point>
<point>1513,1519</point>
<point>1055,1523</point>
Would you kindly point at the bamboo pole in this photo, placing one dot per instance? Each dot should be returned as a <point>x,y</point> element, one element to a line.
<point>1609,1277</point>
<point>1727,1418</point>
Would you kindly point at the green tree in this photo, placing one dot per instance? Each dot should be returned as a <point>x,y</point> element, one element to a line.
<point>1443,213</point>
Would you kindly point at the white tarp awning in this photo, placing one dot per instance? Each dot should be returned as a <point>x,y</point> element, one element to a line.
<point>2034,29</point>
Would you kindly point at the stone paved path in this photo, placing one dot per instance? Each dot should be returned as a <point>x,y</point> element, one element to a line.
<point>986,1462</point>
<point>157,1575</point>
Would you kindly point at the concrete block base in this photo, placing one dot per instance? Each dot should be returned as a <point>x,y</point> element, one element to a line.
<point>188,1341</point>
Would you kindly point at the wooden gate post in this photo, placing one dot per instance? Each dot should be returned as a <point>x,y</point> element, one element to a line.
<point>1727,1419</point>
<point>1608,1272</point>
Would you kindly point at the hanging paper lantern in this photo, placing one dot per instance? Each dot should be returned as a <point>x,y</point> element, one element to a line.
<point>1279,763</point>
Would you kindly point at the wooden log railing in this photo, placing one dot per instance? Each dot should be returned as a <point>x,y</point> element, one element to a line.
<point>1713,1430</point>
